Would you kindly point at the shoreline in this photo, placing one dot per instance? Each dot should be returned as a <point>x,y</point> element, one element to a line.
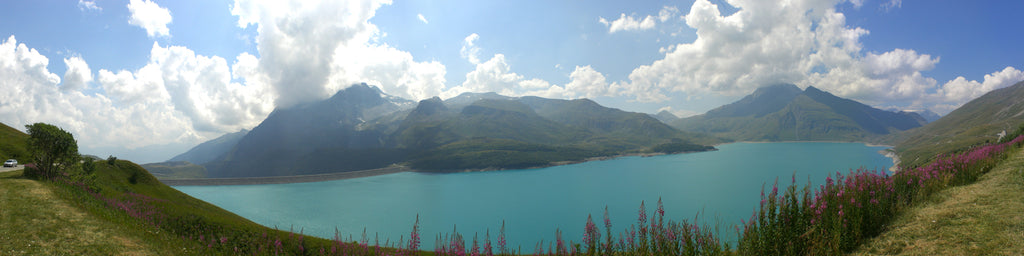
<point>285,179</point>
<point>398,168</point>
<point>372,172</point>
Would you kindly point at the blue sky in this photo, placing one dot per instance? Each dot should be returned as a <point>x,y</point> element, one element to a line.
<point>145,80</point>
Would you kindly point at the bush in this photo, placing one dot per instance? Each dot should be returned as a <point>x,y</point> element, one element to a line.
<point>111,160</point>
<point>53,150</point>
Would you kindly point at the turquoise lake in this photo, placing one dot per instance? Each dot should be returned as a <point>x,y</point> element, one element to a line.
<point>724,186</point>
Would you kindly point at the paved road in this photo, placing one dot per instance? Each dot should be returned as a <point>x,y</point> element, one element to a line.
<point>7,169</point>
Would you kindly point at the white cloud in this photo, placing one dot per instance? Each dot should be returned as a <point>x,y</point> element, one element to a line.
<point>680,113</point>
<point>86,5</point>
<point>892,4</point>
<point>177,98</point>
<point>423,19</point>
<point>148,15</point>
<point>310,49</point>
<point>469,50</point>
<point>494,75</point>
<point>627,23</point>
<point>77,76</point>
<point>805,42</point>
<point>587,82</point>
<point>633,24</point>
<point>961,90</point>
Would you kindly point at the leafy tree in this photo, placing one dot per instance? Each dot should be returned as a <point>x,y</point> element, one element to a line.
<point>52,150</point>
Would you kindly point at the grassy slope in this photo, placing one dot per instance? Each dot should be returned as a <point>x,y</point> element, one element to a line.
<point>12,144</point>
<point>37,221</point>
<point>50,218</point>
<point>983,218</point>
<point>974,123</point>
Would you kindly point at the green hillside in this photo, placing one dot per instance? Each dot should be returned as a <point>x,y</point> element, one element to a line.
<point>785,113</point>
<point>12,144</point>
<point>976,122</point>
<point>125,210</point>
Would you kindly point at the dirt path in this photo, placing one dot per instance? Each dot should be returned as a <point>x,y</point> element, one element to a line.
<point>34,221</point>
<point>984,218</point>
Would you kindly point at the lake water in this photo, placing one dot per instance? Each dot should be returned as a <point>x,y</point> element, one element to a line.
<point>724,186</point>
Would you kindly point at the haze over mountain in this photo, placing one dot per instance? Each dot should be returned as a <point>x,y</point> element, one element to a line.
<point>210,150</point>
<point>785,113</point>
<point>363,128</point>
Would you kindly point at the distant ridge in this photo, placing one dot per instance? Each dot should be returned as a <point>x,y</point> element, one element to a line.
<point>362,128</point>
<point>210,150</point>
<point>783,112</point>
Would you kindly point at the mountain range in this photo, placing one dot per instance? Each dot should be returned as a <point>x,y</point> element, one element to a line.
<point>363,128</point>
<point>784,112</point>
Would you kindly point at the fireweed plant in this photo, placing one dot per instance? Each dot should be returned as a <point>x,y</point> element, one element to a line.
<point>831,219</point>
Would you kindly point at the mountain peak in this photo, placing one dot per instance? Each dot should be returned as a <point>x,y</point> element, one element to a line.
<point>784,112</point>
<point>763,101</point>
<point>665,117</point>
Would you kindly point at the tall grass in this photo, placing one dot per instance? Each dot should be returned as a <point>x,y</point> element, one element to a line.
<point>837,216</point>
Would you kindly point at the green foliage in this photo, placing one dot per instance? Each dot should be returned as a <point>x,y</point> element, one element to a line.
<point>487,153</point>
<point>680,147</point>
<point>88,166</point>
<point>111,160</point>
<point>53,150</point>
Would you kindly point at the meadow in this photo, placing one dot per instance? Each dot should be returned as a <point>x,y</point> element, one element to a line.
<point>833,218</point>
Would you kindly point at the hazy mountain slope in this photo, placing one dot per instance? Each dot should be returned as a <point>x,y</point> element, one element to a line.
<point>784,112</point>
<point>12,144</point>
<point>977,121</point>
<point>210,150</point>
<point>362,128</point>
<point>176,170</point>
<point>317,137</point>
<point>665,117</point>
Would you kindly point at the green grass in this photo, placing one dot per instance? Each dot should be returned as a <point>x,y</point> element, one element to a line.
<point>12,144</point>
<point>983,218</point>
<point>121,209</point>
<point>37,221</point>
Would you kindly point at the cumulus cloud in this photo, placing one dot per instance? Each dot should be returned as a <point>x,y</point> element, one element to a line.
<point>469,50</point>
<point>632,23</point>
<point>77,76</point>
<point>310,49</point>
<point>423,19</point>
<point>805,42</point>
<point>177,98</point>
<point>587,82</point>
<point>150,16</point>
<point>85,5</point>
<point>496,75</point>
<point>627,23</point>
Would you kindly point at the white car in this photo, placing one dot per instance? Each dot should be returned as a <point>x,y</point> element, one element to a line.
<point>11,163</point>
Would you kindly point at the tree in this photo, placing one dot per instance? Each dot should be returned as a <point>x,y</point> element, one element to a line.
<point>52,149</point>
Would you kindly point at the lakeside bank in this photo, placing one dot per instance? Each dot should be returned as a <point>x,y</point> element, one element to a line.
<point>285,179</point>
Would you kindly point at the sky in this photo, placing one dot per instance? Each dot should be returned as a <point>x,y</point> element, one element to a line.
<point>146,80</point>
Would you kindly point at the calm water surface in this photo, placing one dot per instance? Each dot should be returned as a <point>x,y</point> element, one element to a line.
<point>723,186</point>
